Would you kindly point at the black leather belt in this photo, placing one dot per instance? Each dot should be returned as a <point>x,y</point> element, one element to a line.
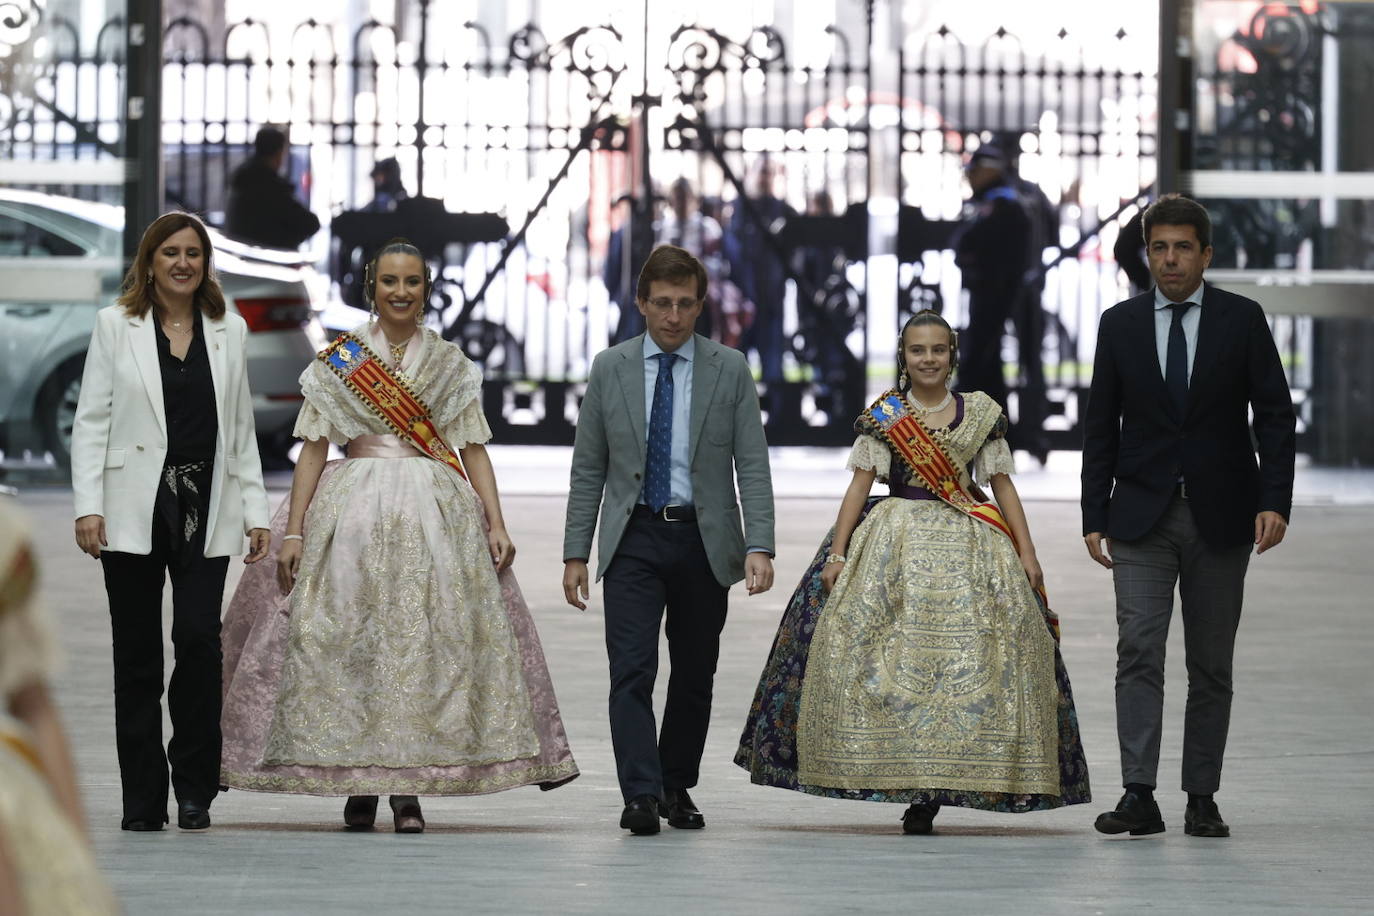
<point>668,513</point>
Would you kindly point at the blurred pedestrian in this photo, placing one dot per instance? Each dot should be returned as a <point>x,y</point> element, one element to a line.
<point>46,866</point>
<point>262,208</point>
<point>992,250</point>
<point>387,189</point>
<point>166,479</point>
<point>758,269</point>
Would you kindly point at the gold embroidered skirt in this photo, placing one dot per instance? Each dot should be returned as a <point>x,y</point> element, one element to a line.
<point>931,666</point>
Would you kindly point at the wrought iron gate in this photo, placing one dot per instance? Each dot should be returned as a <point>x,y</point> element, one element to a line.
<point>558,164</point>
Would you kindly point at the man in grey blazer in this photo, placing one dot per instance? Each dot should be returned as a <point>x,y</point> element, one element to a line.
<point>670,421</point>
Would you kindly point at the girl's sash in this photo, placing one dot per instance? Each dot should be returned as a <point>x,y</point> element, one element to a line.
<point>922,454</point>
<point>388,397</point>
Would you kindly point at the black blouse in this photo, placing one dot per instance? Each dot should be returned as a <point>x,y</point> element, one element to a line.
<point>188,398</point>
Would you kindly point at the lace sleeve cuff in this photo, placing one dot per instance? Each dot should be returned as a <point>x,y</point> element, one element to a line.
<point>869,454</point>
<point>311,424</point>
<point>468,428</point>
<point>993,458</point>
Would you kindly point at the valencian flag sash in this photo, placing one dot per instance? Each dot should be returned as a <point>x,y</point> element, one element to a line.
<point>388,397</point>
<point>927,460</point>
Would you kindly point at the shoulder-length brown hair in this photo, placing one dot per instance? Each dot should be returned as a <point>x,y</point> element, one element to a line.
<point>138,297</point>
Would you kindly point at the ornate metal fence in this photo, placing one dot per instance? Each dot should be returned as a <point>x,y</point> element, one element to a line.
<point>1073,112</point>
<point>798,176</point>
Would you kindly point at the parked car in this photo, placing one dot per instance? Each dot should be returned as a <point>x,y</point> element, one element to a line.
<point>60,262</point>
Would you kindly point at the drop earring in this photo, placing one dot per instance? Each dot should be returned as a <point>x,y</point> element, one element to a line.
<point>903,380</point>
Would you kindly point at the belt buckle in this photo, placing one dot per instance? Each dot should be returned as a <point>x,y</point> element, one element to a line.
<point>1182,490</point>
<point>664,514</point>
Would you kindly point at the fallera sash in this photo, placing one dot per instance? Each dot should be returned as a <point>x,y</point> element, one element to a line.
<point>388,396</point>
<point>927,460</point>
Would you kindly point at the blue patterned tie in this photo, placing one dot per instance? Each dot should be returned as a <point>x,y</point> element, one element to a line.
<point>1176,360</point>
<point>658,464</point>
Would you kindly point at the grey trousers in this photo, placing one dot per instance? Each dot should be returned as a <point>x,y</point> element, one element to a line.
<point>1211,584</point>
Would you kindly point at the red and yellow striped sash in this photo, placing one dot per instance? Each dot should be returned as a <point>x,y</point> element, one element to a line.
<point>388,397</point>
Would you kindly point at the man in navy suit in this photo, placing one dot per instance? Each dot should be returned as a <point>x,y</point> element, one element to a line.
<point>1172,493</point>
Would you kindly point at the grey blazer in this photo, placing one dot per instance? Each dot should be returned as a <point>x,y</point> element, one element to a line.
<point>727,442</point>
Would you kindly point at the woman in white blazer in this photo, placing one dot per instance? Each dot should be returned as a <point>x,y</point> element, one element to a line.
<point>166,479</point>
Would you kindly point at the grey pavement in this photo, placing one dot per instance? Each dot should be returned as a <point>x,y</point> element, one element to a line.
<point>1297,788</point>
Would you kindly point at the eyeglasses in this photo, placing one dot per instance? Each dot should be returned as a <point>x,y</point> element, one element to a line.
<point>664,304</point>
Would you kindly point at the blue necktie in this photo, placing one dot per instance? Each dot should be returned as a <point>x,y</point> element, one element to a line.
<point>1176,360</point>
<point>658,464</point>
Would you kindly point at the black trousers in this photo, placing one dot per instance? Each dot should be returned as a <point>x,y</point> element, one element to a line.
<point>134,586</point>
<point>660,565</point>
<point>980,343</point>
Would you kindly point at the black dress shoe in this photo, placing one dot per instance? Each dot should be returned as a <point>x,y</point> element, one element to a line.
<point>192,816</point>
<point>360,812</point>
<point>640,816</point>
<point>142,825</point>
<point>1134,814</point>
<point>919,819</point>
<point>677,806</point>
<point>1203,819</point>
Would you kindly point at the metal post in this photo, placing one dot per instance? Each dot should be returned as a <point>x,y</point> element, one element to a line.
<point>1175,125</point>
<point>421,68</point>
<point>142,121</point>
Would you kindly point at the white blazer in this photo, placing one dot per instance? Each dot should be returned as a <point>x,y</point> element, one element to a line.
<point>119,438</point>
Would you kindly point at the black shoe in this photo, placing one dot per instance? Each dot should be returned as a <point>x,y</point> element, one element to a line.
<point>640,816</point>
<point>1134,814</point>
<point>142,825</point>
<point>360,812</point>
<point>1203,819</point>
<point>919,819</point>
<point>192,816</point>
<point>677,806</point>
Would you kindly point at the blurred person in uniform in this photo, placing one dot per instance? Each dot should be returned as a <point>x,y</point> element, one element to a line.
<point>387,189</point>
<point>46,864</point>
<point>992,250</point>
<point>757,268</point>
<point>262,207</point>
<point>1028,315</point>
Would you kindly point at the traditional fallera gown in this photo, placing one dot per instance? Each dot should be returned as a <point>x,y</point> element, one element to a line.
<point>48,856</point>
<point>929,675</point>
<point>401,663</point>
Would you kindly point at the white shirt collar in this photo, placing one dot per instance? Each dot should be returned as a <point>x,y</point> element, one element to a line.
<point>686,351</point>
<point>1195,297</point>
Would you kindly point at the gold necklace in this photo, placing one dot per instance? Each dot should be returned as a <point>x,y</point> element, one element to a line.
<point>398,350</point>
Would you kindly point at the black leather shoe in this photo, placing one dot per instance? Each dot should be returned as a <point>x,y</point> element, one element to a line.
<point>1134,814</point>
<point>360,812</point>
<point>191,816</point>
<point>640,816</point>
<point>677,806</point>
<point>142,825</point>
<point>1203,819</point>
<point>919,819</point>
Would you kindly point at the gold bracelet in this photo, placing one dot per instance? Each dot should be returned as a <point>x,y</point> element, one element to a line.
<point>834,558</point>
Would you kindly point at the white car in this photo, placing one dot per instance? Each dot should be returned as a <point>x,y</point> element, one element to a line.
<point>60,263</point>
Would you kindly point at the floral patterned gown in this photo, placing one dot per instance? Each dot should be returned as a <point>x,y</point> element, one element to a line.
<point>401,663</point>
<point>928,674</point>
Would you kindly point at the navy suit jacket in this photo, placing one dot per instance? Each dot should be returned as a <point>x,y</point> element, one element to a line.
<point>1135,447</point>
